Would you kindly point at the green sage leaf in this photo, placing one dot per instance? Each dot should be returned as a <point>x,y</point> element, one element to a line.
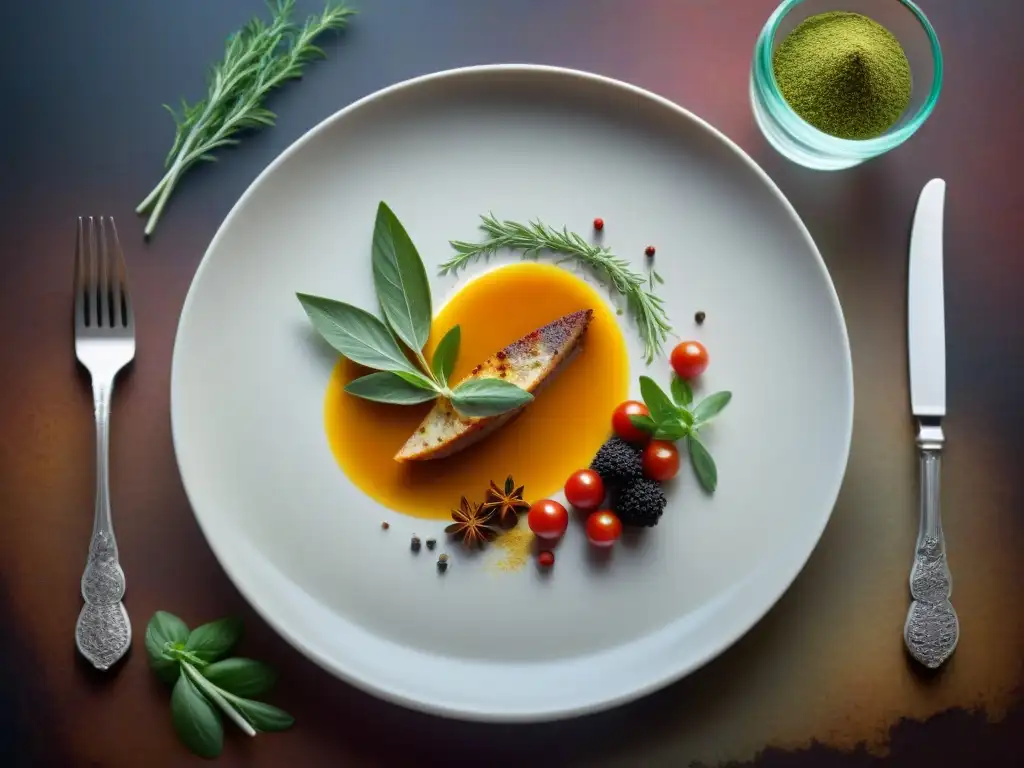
<point>681,391</point>
<point>357,334</point>
<point>242,677</point>
<point>417,380</point>
<point>163,629</point>
<point>387,387</point>
<point>710,407</point>
<point>480,398</point>
<point>401,280</point>
<point>447,352</point>
<point>196,721</point>
<point>215,640</point>
<point>658,403</point>
<point>703,464</point>
<point>646,423</point>
<point>262,717</point>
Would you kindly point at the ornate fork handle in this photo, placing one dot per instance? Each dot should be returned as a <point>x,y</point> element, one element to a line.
<point>932,629</point>
<point>103,632</point>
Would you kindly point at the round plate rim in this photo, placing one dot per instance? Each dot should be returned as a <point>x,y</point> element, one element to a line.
<point>673,674</point>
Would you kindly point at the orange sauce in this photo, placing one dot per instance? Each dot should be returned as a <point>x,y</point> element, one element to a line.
<point>557,434</point>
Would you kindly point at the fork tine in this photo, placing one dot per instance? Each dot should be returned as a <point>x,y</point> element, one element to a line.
<point>107,317</point>
<point>81,303</point>
<point>93,287</point>
<point>121,296</point>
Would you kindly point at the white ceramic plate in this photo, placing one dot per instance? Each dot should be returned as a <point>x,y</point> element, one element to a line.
<point>305,547</point>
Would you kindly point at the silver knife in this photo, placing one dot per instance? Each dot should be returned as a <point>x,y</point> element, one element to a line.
<point>932,628</point>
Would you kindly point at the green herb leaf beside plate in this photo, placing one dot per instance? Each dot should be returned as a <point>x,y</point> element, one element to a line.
<point>213,641</point>
<point>710,407</point>
<point>703,464</point>
<point>681,391</point>
<point>198,724</point>
<point>241,677</point>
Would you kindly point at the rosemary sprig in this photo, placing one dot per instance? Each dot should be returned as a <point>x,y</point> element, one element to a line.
<point>531,239</point>
<point>257,59</point>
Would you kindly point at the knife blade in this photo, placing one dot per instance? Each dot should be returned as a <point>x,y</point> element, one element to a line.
<point>926,322</point>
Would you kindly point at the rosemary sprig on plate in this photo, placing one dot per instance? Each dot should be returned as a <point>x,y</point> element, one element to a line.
<point>531,239</point>
<point>257,59</point>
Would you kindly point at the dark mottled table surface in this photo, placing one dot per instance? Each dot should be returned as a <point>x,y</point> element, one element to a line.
<point>822,681</point>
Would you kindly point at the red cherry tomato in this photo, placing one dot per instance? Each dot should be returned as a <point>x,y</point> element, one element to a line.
<point>547,519</point>
<point>546,559</point>
<point>585,489</point>
<point>661,460</point>
<point>603,528</point>
<point>623,427</point>
<point>689,359</point>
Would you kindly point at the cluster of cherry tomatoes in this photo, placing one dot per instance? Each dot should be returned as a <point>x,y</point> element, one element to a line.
<point>585,490</point>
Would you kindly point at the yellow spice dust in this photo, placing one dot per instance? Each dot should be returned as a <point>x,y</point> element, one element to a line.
<point>517,545</point>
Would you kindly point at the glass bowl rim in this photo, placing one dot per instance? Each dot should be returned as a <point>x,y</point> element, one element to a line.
<point>859,147</point>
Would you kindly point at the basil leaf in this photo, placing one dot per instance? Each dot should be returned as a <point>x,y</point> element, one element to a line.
<point>164,628</point>
<point>479,398</point>
<point>213,641</point>
<point>196,721</point>
<point>658,403</point>
<point>387,387</point>
<point>703,464</point>
<point>357,334</point>
<point>401,280</point>
<point>681,391</point>
<point>711,406</point>
<point>646,423</point>
<point>671,430</point>
<point>242,677</point>
<point>446,354</point>
<point>262,717</point>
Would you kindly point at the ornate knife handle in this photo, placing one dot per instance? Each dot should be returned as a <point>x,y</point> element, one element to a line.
<point>103,632</point>
<point>932,628</point>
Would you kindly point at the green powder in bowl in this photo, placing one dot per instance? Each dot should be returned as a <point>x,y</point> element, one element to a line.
<point>845,74</point>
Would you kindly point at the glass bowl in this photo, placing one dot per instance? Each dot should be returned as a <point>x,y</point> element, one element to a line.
<point>801,142</point>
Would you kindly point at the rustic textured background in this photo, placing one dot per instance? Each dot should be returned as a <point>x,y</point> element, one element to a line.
<point>822,681</point>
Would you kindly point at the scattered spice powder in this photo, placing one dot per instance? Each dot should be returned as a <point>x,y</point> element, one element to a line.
<point>517,544</point>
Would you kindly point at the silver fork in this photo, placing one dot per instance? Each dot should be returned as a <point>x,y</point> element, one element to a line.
<point>104,344</point>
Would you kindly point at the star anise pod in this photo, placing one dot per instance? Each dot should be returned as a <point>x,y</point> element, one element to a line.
<point>507,503</point>
<point>471,523</point>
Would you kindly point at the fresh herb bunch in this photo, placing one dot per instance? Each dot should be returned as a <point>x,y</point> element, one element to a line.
<point>403,293</point>
<point>676,418</point>
<point>257,59</point>
<point>647,309</point>
<point>205,681</point>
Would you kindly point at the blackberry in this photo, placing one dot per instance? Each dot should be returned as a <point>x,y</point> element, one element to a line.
<point>640,503</point>
<point>618,462</point>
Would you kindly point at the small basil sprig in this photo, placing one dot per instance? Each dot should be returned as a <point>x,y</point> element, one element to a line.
<point>205,682</point>
<point>676,418</point>
<point>403,292</point>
